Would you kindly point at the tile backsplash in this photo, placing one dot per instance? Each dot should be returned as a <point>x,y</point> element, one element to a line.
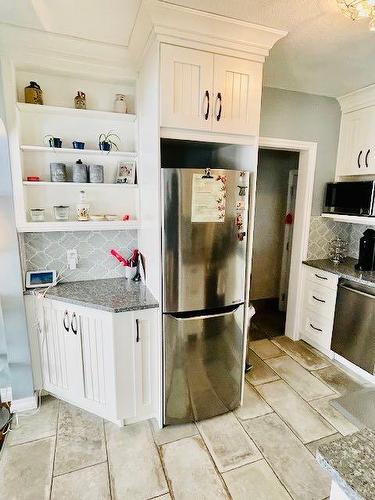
<point>322,231</point>
<point>48,251</point>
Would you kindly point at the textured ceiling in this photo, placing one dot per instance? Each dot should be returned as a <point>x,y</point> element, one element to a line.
<point>109,21</point>
<point>324,52</point>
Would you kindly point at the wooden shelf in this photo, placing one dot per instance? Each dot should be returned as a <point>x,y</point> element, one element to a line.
<point>351,219</point>
<point>41,227</point>
<point>79,152</point>
<point>79,113</point>
<point>79,184</point>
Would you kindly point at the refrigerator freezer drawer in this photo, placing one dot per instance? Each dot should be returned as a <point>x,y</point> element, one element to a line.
<point>203,365</point>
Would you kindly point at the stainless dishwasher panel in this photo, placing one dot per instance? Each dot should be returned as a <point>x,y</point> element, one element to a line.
<point>203,364</point>
<point>353,335</point>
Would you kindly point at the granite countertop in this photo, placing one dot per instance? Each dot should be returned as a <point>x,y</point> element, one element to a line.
<point>350,461</point>
<point>344,269</point>
<point>114,294</point>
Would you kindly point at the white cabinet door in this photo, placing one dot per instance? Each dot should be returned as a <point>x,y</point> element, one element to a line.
<point>237,95</point>
<point>94,329</point>
<point>185,88</point>
<point>354,148</point>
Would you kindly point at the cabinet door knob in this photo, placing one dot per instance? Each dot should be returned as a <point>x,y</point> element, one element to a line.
<point>366,158</point>
<point>359,159</point>
<point>137,339</point>
<point>219,98</point>
<point>66,316</point>
<point>73,324</point>
<point>207,98</point>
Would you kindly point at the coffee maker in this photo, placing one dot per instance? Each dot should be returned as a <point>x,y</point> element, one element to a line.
<point>366,260</point>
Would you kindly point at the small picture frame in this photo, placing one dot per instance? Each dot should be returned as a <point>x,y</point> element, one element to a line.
<point>125,172</point>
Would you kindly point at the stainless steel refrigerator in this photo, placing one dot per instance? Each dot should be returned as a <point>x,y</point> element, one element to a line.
<point>205,216</point>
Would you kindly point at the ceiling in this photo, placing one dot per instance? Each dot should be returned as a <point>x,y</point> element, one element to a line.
<point>324,52</point>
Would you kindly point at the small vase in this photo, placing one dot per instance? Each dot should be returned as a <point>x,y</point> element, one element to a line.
<point>33,94</point>
<point>120,104</point>
<point>80,100</point>
<point>105,146</point>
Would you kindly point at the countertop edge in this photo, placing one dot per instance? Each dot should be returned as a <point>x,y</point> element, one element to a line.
<point>344,270</point>
<point>335,476</point>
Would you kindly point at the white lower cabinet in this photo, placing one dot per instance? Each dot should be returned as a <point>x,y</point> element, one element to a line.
<point>320,291</point>
<point>102,362</point>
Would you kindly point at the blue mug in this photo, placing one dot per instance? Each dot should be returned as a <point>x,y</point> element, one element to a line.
<point>78,145</point>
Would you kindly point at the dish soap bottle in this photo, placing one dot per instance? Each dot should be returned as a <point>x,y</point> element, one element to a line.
<point>83,208</point>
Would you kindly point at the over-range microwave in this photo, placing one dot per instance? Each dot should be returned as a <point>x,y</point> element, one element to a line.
<point>350,198</point>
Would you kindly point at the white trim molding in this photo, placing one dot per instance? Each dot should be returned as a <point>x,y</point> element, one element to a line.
<point>306,171</point>
<point>359,99</point>
<point>24,404</point>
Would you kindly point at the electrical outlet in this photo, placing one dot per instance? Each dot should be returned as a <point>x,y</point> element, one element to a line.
<point>72,258</point>
<point>6,394</point>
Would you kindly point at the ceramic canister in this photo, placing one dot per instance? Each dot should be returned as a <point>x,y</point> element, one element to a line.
<point>80,172</point>
<point>96,174</point>
<point>58,172</point>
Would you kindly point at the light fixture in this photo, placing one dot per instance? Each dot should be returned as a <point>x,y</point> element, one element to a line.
<point>357,9</point>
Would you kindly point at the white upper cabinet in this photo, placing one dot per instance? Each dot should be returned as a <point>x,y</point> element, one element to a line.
<point>356,151</point>
<point>186,88</point>
<point>237,94</point>
<point>210,92</point>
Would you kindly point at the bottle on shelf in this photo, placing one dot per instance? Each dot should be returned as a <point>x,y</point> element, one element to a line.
<point>83,208</point>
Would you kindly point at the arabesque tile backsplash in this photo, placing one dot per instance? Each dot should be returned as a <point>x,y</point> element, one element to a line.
<point>48,251</point>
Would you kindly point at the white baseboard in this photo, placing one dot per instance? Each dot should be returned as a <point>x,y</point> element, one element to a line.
<point>24,404</point>
<point>354,369</point>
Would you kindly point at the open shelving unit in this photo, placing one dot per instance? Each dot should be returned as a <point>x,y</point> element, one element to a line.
<point>57,117</point>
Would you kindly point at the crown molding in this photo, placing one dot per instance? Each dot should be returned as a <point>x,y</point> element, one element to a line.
<point>189,26</point>
<point>361,98</point>
<point>29,48</point>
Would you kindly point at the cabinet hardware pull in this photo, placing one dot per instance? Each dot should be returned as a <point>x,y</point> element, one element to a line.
<point>218,98</point>
<point>315,328</point>
<point>359,159</point>
<point>319,300</point>
<point>137,326</point>
<point>207,97</point>
<point>66,315</point>
<point>74,329</point>
<point>321,277</point>
<point>366,158</point>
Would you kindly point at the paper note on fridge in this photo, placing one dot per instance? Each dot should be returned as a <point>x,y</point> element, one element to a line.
<point>208,198</point>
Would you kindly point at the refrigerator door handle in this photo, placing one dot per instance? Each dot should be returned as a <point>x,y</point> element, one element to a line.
<point>206,316</point>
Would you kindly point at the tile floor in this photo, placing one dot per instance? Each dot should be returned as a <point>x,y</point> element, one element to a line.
<point>262,451</point>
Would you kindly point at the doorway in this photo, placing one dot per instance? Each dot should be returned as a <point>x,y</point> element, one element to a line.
<point>276,187</point>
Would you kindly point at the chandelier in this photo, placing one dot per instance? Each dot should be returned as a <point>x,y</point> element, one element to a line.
<point>357,9</point>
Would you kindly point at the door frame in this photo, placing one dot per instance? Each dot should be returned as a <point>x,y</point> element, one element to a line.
<point>305,186</point>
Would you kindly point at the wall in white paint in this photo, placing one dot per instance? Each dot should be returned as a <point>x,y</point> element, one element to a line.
<point>271,198</point>
<point>305,117</point>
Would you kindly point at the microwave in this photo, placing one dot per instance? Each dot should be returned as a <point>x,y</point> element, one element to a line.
<point>350,198</point>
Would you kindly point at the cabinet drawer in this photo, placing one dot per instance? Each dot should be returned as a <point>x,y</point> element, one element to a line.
<point>321,277</point>
<point>317,327</point>
<point>320,299</point>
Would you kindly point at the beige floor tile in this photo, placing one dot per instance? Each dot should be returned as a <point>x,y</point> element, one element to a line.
<point>172,432</point>
<point>308,386</point>
<point>253,404</point>
<point>265,349</point>
<point>190,472</point>
<point>38,426</point>
<point>227,442</point>
<point>299,351</point>
<point>256,481</point>
<point>288,457</point>
<point>333,416</point>
<point>305,422</point>
<point>90,483</point>
<point>315,444</point>
<point>80,440</point>
<point>26,470</point>
<point>337,379</point>
<point>260,373</point>
<point>134,463</point>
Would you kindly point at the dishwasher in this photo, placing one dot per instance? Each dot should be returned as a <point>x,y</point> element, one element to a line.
<point>353,335</point>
